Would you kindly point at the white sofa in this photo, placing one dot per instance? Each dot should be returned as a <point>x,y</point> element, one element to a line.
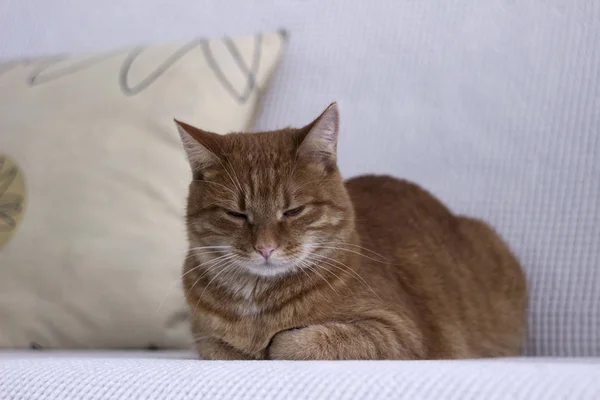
<point>491,105</point>
<point>172,375</point>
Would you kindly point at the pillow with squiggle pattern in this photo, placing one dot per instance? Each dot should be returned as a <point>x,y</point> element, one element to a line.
<point>89,143</point>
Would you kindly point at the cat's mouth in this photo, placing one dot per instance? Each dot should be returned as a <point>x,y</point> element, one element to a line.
<point>270,267</point>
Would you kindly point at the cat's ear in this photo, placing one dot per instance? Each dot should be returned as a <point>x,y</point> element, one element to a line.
<point>202,147</point>
<point>320,142</point>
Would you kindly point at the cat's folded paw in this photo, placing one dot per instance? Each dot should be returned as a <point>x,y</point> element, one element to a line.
<point>293,344</point>
<point>310,343</point>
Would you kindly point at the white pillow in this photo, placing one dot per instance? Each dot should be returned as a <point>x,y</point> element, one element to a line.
<point>101,241</point>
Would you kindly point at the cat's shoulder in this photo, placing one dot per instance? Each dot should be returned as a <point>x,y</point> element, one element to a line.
<point>381,183</point>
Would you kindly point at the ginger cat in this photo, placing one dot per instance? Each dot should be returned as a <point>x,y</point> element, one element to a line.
<point>288,261</point>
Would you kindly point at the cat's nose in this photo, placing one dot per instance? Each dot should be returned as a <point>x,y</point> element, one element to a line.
<point>266,249</point>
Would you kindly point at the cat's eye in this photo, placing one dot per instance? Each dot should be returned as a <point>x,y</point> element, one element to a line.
<point>293,212</point>
<point>237,215</point>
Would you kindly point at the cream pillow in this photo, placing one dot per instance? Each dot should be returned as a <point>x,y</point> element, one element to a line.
<point>93,180</point>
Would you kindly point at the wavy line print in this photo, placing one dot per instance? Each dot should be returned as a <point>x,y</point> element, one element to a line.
<point>154,75</point>
<point>250,72</point>
<point>180,53</point>
<point>39,76</point>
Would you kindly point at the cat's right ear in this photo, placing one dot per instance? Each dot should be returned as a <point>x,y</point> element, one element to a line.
<point>319,143</point>
<point>201,147</point>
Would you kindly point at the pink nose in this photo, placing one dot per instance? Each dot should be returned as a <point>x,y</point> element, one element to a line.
<point>266,250</point>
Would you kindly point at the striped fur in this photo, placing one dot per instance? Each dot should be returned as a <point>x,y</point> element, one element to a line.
<point>371,268</point>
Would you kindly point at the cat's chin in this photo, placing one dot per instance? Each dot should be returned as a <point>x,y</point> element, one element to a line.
<point>270,270</point>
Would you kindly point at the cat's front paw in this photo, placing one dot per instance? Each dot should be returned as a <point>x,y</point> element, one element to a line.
<point>310,343</point>
<point>293,344</point>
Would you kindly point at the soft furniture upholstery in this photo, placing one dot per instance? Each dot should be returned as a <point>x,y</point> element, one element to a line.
<point>157,376</point>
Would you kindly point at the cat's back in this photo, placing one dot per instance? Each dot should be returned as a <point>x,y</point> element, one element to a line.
<point>462,278</point>
<point>384,204</point>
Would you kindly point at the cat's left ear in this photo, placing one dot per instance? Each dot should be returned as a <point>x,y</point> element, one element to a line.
<point>320,143</point>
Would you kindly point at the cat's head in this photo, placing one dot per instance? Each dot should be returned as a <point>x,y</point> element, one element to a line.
<point>264,201</point>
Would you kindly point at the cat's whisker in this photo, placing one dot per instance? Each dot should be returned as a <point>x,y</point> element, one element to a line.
<point>210,268</point>
<point>310,266</point>
<point>208,247</point>
<point>331,272</point>
<point>237,181</point>
<point>194,269</point>
<point>354,245</point>
<point>212,264</point>
<point>212,259</point>
<point>349,251</point>
<point>206,264</point>
<point>207,236</point>
<point>299,261</point>
<point>234,181</point>
<point>204,253</point>
<point>348,269</point>
<point>235,176</point>
<point>235,272</point>
<point>178,280</point>
<point>293,169</point>
<point>233,264</point>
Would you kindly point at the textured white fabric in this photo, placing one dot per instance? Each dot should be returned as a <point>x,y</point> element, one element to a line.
<point>493,105</point>
<point>97,259</point>
<point>143,376</point>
